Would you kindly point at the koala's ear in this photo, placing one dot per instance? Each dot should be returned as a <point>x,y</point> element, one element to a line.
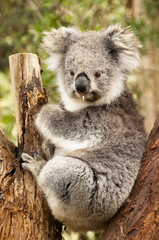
<point>56,43</point>
<point>123,46</point>
<point>57,40</point>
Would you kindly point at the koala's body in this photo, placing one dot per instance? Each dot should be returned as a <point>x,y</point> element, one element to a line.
<point>97,132</point>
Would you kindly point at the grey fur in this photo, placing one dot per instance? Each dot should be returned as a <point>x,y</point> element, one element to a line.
<point>98,142</point>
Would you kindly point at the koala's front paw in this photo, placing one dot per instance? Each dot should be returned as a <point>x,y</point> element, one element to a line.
<point>34,163</point>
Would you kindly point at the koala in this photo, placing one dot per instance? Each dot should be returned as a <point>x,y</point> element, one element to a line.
<point>97,133</point>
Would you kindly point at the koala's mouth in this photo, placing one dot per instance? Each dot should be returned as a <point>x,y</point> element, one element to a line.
<point>88,97</point>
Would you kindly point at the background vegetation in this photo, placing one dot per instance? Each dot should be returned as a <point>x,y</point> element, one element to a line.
<point>22,24</point>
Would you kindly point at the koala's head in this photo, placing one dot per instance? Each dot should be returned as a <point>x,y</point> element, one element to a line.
<point>91,66</point>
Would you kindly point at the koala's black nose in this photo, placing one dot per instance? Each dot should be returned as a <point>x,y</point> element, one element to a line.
<point>82,83</point>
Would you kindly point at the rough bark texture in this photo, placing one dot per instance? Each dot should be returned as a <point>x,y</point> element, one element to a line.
<point>139,218</point>
<point>24,213</point>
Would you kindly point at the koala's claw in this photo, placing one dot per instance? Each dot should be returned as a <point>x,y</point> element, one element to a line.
<point>33,152</point>
<point>36,155</point>
<point>33,164</point>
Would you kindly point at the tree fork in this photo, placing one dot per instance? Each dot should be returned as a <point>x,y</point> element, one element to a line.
<point>24,213</point>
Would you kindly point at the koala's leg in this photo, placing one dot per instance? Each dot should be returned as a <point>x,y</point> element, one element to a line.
<point>33,164</point>
<point>70,186</point>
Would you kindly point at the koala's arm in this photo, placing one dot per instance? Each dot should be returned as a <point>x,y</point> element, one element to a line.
<point>54,121</point>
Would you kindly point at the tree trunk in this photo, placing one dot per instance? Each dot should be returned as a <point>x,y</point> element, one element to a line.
<point>24,213</point>
<point>139,218</point>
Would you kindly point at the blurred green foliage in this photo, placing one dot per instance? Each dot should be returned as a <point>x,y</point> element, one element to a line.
<point>7,116</point>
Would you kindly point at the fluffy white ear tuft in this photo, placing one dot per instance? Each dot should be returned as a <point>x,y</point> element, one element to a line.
<point>123,45</point>
<point>56,43</point>
<point>53,41</point>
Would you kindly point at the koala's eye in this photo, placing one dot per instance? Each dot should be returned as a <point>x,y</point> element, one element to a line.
<point>97,74</point>
<point>72,73</point>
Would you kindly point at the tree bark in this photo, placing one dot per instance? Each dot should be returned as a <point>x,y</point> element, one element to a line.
<point>24,213</point>
<point>138,219</point>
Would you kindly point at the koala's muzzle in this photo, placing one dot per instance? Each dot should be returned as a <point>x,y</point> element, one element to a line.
<point>82,83</point>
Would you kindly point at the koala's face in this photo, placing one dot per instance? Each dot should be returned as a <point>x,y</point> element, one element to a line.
<point>88,69</point>
<point>91,66</point>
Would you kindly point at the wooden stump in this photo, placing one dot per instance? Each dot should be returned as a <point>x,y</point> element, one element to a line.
<point>24,213</point>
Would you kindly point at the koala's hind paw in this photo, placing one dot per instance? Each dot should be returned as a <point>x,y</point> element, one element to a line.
<point>34,163</point>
